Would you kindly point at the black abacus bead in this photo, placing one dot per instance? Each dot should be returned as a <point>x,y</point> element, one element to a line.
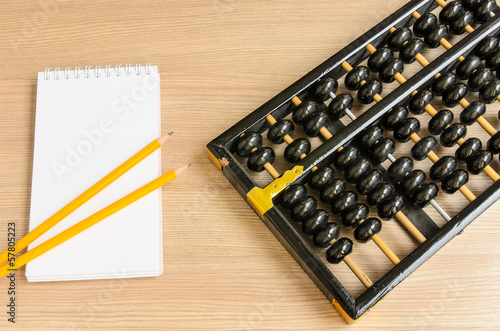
<point>413,181</point>
<point>419,101</point>
<point>479,78</point>
<point>454,94</point>
<point>398,38</point>
<point>302,209</point>
<point>380,194</point>
<point>339,250</point>
<point>494,143</point>
<point>325,86</point>
<point>339,104</point>
<point>344,202</point>
<point>450,11</point>
<point>479,161</point>
<point>408,127</point>
<point>461,21</point>
<point>493,60</point>
<point>280,129</point>
<point>472,112</point>
<point>321,177</point>
<point>490,91</point>
<point>316,122</point>
<point>423,147</point>
<point>366,230</point>
<point>468,66</point>
<point>315,222</point>
<point>355,77</point>
<point>454,181</point>
<point>304,110</point>
<point>434,37</point>
<point>248,143</point>
<point>425,194</point>
<point>332,190</point>
<point>400,168</point>
<point>293,194</point>
<point>440,121</point>
<point>443,167</point>
<point>468,149</point>
<point>353,216</point>
<point>483,10</point>
<point>257,159</point>
<point>411,49</point>
<point>486,46</point>
<point>296,149</point>
<point>452,134</point>
<point>379,58</point>
<point>344,158</point>
<point>390,207</point>
<point>369,90</point>
<point>358,169</point>
<point>391,68</point>
<point>324,237</point>
<point>443,82</point>
<point>394,117</point>
<point>381,150</point>
<point>369,182</point>
<point>471,4</point>
<point>424,24</point>
<point>369,137</point>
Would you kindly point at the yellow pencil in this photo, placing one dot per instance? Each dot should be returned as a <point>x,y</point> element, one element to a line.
<point>89,221</point>
<point>82,198</point>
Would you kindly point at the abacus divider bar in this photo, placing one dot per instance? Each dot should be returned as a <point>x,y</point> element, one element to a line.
<point>423,62</point>
<point>354,51</point>
<point>378,241</point>
<point>357,271</point>
<point>432,112</point>
<point>377,98</point>
<point>468,28</point>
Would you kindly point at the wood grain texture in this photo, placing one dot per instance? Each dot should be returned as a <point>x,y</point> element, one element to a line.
<point>219,60</point>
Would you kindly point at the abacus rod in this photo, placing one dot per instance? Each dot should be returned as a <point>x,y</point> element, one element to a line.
<point>438,208</point>
<point>376,238</point>
<point>357,271</point>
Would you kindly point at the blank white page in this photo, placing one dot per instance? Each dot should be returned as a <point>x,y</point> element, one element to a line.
<point>87,124</point>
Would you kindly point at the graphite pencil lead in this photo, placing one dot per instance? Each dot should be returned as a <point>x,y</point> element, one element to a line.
<point>164,138</point>
<point>180,170</point>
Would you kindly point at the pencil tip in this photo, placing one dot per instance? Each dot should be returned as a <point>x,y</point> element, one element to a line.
<point>164,138</point>
<point>180,170</point>
<point>171,133</point>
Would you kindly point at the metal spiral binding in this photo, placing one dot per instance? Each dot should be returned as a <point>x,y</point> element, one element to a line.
<point>98,70</point>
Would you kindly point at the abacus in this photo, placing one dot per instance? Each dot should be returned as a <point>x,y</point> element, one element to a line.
<point>354,160</point>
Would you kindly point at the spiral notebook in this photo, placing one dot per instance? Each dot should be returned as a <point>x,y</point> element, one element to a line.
<point>88,122</point>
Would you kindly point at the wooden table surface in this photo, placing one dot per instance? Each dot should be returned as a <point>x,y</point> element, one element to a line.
<point>219,60</point>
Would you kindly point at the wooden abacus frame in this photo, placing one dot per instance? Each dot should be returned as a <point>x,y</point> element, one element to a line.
<point>262,200</point>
